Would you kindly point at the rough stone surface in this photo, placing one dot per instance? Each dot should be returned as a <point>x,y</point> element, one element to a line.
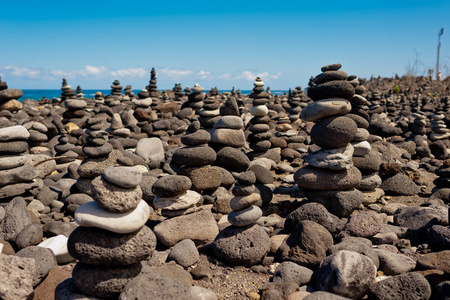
<point>327,180</point>
<point>403,286</point>
<point>346,273</point>
<point>184,253</point>
<point>17,277</point>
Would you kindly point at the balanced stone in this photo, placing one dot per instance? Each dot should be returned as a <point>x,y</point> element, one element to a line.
<point>183,201</point>
<point>244,217</point>
<point>90,214</point>
<point>332,89</point>
<point>334,132</point>
<point>114,198</point>
<point>171,186</point>
<point>17,132</point>
<point>126,177</point>
<point>194,156</point>
<point>326,180</point>
<point>335,159</point>
<point>325,108</point>
<point>10,162</point>
<point>97,246</point>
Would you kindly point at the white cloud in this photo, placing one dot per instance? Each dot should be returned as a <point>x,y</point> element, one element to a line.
<point>225,77</point>
<point>92,70</point>
<point>20,72</point>
<point>168,73</point>
<point>204,75</point>
<point>250,76</point>
<point>130,72</point>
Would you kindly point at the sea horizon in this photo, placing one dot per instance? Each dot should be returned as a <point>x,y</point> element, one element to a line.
<point>37,94</point>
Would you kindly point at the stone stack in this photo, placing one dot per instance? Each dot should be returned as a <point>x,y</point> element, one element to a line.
<point>210,112</point>
<point>228,131</point>
<point>418,124</point>
<point>116,90</point>
<point>196,98</point>
<point>196,158</point>
<point>246,202</point>
<point>152,87</point>
<point>112,238</point>
<point>38,133</point>
<point>67,91</point>
<point>440,130</point>
<point>260,136</point>
<point>244,242</point>
<point>99,98</point>
<point>144,101</point>
<point>174,197</point>
<point>330,177</point>
<point>443,181</point>
<point>187,91</point>
<point>99,156</point>
<point>284,128</point>
<point>79,92</point>
<point>75,112</point>
<point>9,98</point>
<point>66,149</point>
<point>16,175</point>
<point>178,92</point>
<point>368,162</point>
<point>117,129</point>
<point>129,91</point>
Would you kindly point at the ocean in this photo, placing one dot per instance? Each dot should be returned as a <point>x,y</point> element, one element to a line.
<point>49,94</point>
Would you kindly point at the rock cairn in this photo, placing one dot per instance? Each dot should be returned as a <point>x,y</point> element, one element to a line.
<point>178,92</point>
<point>99,156</point>
<point>244,242</point>
<point>196,158</point>
<point>260,136</point>
<point>9,97</point>
<point>174,197</point>
<point>67,91</point>
<point>152,87</point>
<point>418,124</point>
<point>210,112</point>
<point>196,98</point>
<point>79,92</point>
<point>330,177</point>
<point>367,161</point>
<point>116,89</point>
<point>440,130</point>
<point>228,131</point>
<point>245,203</point>
<point>16,174</point>
<point>111,239</point>
<point>75,112</point>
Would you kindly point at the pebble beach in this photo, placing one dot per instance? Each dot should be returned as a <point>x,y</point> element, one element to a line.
<point>335,190</point>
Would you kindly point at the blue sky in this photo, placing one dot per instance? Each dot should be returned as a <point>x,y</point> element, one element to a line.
<point>214,43</point>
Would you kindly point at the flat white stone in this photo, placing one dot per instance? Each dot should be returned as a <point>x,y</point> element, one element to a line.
<point>258,83</point>
<point>17,132</point>
<point>183,201</point>
<point>58,244</point>
<point>361,148</point>
<point>259,111</point>
<point>210,113</point>
<point>335,159</point>
<point>90,214</point>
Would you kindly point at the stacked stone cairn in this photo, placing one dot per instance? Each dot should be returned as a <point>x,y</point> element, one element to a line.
<point>67,91</point>
<point>244,242</point>
<point>418,124</point>
<point>99,98</point>
<point>368,162</point>
<point>440,130</point>
<point>187,91</point>
<point>178,92</point>
<point>330,177</point>
<point>75,112</point>
<point>9,97</point>
<point>144,101</point>
<point>210,112</point>
<point>16,175</point>
<point>260,136</point>
<point>195,159</point>
<point>99,156</point>
<point>112,238</point>
<point>65,149</point>
<point>116,90</point>
<point>174,197</point>
<point>79,92</point>
<point>196,98</point>
<point>152,87</point>
<point>228,131</point>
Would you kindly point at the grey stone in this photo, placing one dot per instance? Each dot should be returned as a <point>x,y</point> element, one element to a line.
<point>97,246</point>
<point>340,203</point>
<point>404,286</point>
<point>17,277</point>
<point>17,218</point>
<point>335,159</point>
<point>19,174</point>
<point>394,263</point>
<point>346,273</point>
<point>360,245</point>
<point>44,260</point>
<point>126,177</point>
<point>184,253</point>
<point>245,217</point>
<point>288,271</point>
<point>30,235</point>
<point>242,246</point>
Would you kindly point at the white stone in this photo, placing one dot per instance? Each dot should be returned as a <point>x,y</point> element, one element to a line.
<point>17,132</point>
<point>151,149</point>
<point>335,159</point>
<point>361,148</point>
<point>58,244</point>
<point>258,83</point>
<point>259,111</point>
<point>325,108</point>
<point>183,201</point>
<point>210,113</point>
<point>90,214</point>
<point>143,102</point>
<point>75,104</point>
